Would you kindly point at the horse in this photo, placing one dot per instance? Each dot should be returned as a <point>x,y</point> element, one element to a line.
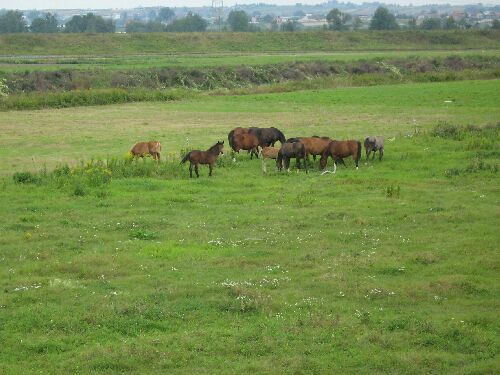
<point>234,132</point>
<point>152,148</point>
<point>268,153</point>
<point>314,145</point>
<point>288,150</point>
<point>374,144</point>
<point>248,142</point>
<point>339,150</point>
<point>268,136</point>
<point>209,157</point>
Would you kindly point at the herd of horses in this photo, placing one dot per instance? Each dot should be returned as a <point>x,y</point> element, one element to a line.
<point>261,142</point>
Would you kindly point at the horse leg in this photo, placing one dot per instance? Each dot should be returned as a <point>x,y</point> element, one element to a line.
<point>287,163</point>
<point>380,154</point>
<point>264,164</point>
<point>374,152</point>
<point>196,170</point>
<point>334,167</point>
<point>210,167</point>
<point>190,170</point>
<point>356,160</point>
<point>367,153</point>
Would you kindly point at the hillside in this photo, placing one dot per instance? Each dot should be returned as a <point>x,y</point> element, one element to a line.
<point>123,44</point>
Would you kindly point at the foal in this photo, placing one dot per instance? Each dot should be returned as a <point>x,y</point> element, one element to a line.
<point>209,157</point>
<point>268,153</point>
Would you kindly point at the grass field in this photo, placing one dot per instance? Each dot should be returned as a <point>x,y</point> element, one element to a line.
<point>10,64</point>
<point>391,268</point>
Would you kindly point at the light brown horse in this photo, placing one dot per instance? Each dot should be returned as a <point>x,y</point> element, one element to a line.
<point>142,149</point>
<point>209,157</point>
<point>268,153</point>
<point>248,142</point>
<point>339,150</point>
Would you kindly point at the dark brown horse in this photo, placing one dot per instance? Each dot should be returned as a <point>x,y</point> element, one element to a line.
<point>290,150</point>
<point>248,142</point>
<point>142,149</point>
<point>339,150</point>
<point>209,157</point>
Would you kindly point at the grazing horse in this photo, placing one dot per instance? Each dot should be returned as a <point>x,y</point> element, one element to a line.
<point>374,144</point>
<point>339,150</point>
<point>152,148</point>
<point>268,136</point>
<point>209,157</point>
<point>314,145</point>
<point>235,132</point>
<point>248,142</point>
<point>288,150</point>
<point>268,153</point>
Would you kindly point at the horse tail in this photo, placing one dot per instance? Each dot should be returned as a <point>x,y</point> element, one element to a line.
<point>358,154</point>
<point>282,138</point>
<point>186,157</point>
<point>230,138</point>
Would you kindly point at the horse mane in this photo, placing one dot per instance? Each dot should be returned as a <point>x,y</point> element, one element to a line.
<point>214,146</point>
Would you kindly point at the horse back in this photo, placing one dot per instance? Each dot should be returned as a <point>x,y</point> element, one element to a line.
<point>315,145</point>
<point>154,146</point>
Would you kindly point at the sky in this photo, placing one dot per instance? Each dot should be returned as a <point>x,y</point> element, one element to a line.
<point>101,4</point>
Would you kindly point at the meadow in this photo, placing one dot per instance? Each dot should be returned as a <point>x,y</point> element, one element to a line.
<point>111,267</point>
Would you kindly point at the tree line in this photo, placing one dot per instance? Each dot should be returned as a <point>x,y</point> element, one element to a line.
<point>13,21</point>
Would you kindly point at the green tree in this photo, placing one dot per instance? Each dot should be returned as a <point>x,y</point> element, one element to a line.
<point>431,23</point>
<point>89,23</point>
<point>12,22</point>
<point>449,23</point>
<point>337,20</point>
<point>238,20</point>
<point>46,24</point>
<point>357,23</point>
<point>383,20</point>
<point>290,25</point>
<point>496,24</point>
<point>165,14</point>
<point>412,23</point>
<point>192,22</point>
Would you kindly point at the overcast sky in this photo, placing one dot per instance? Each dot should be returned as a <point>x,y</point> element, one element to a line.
<point>101,4</point>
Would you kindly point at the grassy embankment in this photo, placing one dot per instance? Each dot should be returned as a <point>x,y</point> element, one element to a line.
<point>63,71</point>
<point>392,268</point>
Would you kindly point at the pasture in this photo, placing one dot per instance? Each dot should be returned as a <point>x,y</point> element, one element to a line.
<point>391,268</point>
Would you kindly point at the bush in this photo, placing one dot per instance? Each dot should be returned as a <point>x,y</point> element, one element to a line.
<point>24,178</point>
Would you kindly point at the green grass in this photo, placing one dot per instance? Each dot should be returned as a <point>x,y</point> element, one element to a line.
<point>10,64</point>
<point>391,268</point>
<point>326,41</point>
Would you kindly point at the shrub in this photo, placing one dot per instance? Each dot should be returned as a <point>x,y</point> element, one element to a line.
<point>392,191</point>
<point>24,178</point>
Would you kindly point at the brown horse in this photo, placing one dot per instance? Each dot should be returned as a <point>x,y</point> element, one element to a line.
<point>142,149</point>
<point>235,132</point>
<point>314,145</point>
<point>268,153</point>
<point>339,150</point>
<point>248,142</point>
<point>209,157</point>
